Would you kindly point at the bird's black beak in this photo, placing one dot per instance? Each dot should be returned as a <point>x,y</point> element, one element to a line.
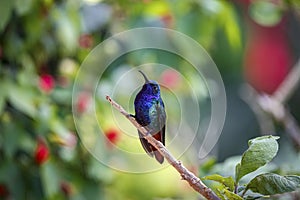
<point>145,77</point>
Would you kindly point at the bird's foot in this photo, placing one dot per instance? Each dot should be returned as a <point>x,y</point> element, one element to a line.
<point>130,115</point>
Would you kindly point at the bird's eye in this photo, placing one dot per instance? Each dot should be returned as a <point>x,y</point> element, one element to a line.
<point>155,89</point>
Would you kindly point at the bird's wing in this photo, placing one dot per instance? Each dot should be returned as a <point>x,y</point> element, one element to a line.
<point>161,121</point>
<point>160,135</point>
<point>146,145</point>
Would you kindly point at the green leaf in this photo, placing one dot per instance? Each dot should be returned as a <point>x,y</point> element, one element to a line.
<point>50,175</point>
<point>232,196</point>
<point>5,12</point>
<point>228,166</point>
<point>228,19</point>
<point>5,83</point>
<point>23,99</point>
<point>9,173</point>
<point>226,181</point>
<point>27,75</point>
<point>23,6</point>
<point>92,191</point>
<point>66,29</point>
<point>220,195</point>
<point>11,136</point>
<point>261,151</point>
<point>207,166</point>
<point>98,171</point>
<point>225,194</point>
<point>270,184</point>
<point>59,128</point>
<point>63,96</point>
<point>2,102</point>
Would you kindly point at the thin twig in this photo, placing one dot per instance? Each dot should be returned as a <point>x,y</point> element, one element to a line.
<point>289,85</point>
<point>281,114</point>
<point>265,121</point>
<point>193,180</point>
<point>274,104</point>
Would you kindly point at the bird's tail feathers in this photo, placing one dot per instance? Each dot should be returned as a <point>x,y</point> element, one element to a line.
<point>150,149</point>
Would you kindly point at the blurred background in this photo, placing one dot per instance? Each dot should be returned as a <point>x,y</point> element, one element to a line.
<point>255,45</point>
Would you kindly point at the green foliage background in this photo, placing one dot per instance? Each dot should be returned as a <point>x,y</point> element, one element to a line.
<point>53,37</point>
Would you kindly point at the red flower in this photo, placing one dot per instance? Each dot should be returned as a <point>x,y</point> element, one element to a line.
<point>46,83</point>
<point>170,78</point>
<point>86,41</point>
<point>3,190</point>
<point>113,135</point>
<point>267,58</point>
<point>83,101</point>
<point>41,154</point>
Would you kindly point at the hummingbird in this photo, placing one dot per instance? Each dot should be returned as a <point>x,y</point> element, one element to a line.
<point>150,113</point>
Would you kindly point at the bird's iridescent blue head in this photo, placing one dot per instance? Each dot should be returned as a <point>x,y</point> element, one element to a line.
<point>150,87</point>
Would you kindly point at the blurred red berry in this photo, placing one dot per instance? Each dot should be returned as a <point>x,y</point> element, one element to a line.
<point>41,154</point>
<point>66,188</point>
<point>86,41</point>
<point>170,78</point>
<point>267,58</point>
<point>46,83</point>
<point>83,101</point>
<point>3,190</point>
<point>113,135</point>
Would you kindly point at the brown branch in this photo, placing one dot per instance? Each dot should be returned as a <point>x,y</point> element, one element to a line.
<point>289,85</point>
<point>193,180</point>
<point>281,114</point>
<point>265,121</point>
<point>274,104</point>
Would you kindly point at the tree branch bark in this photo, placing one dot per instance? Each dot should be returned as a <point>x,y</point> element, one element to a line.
<point>193,180</point>
<point>281,114</point>
<point>289,85</point>
<point>274,104</point>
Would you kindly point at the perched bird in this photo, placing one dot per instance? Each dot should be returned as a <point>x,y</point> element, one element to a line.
<point>150,113</point>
